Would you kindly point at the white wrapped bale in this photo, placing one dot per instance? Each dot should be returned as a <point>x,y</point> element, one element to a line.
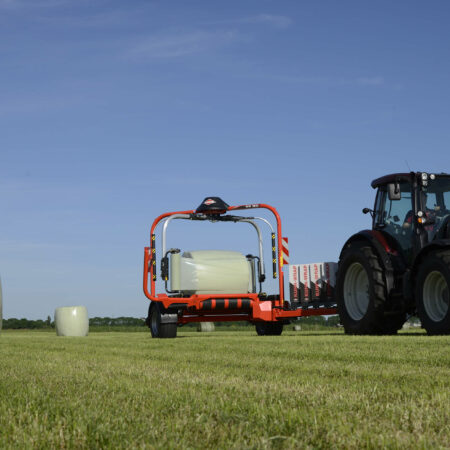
<point>71,321</point>
<point>206,327</point>
<point>211,272</point>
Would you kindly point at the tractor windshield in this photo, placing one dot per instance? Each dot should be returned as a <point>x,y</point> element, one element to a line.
<point>395,217</point>
<point>436,203</point>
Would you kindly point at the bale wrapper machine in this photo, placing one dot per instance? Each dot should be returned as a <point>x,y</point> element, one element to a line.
<point>218,285</point>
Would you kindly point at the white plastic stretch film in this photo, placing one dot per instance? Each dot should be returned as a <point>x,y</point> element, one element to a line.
<point>312,282</point>
<point>71,321</point>
<point>214,272</point>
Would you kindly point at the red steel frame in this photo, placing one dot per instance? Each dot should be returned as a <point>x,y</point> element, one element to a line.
<point>260,309</point>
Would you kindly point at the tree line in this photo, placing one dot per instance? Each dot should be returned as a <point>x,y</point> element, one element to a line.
<point>18,324</point>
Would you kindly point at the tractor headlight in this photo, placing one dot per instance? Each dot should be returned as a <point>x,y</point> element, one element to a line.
<point>432,176</point>
<point>424,176</point>
<point>421,217</point>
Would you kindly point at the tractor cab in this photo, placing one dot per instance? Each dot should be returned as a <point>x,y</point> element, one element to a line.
<point>411,210</point>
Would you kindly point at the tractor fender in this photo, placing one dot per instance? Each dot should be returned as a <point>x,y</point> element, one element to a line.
<point>383,250</point>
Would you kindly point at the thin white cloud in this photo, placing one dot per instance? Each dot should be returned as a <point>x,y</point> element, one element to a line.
<point>178,45</point>
<point>33,104</point>
<point>7,3</point>
<point>273,20</point>
<point>88,21</point>
<point>323,81</point>
<point>20,4</point>
<point>16,246</point>
<point>370,81</point>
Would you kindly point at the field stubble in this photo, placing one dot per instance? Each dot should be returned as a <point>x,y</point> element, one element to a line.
<point>225,390</point>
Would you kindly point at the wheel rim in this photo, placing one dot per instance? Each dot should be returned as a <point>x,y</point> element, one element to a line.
<point>356,291</point>
<point>154,323</point>
<point>436,296</point>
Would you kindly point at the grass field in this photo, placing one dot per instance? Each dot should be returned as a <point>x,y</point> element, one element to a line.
<point>224,390</point>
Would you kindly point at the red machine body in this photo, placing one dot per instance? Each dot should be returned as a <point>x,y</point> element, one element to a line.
<point>252,307</point>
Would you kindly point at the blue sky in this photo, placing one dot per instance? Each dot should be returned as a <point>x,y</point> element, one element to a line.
<point>114,112</point>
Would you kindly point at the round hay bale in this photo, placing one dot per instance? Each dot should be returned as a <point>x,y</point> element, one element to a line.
<point>71,321</point>
<point>205,327</point>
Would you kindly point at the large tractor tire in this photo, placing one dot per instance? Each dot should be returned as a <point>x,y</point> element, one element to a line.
<point>161,323</point>
<point>269,328</point>
<point>433,292</point>
<point>362,293</point>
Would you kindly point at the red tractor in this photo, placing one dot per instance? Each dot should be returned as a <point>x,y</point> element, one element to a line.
<point>401,266</point>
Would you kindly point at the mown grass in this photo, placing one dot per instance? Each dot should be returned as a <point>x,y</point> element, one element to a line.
<point>224,390</point>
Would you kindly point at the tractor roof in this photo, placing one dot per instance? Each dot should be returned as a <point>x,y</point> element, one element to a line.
<point>391,178</point>
<point>399,177</point>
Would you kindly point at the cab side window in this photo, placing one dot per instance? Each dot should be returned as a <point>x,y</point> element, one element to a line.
<point>447,200</point>
<point>395,217</point>
<point>431,202</point>
<point>397,212</point>
<point>378,218</point>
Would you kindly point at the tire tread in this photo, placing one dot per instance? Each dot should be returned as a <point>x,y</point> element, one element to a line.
<point>442,257</point>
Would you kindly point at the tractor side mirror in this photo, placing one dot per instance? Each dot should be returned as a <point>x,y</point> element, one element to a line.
<point>394,191</point>
<point>367,210</point>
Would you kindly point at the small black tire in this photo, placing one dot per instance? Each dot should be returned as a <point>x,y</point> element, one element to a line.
<point>156,322</point>
<point>362,293</point>
<point>269,328</point>
<point>433,292</point>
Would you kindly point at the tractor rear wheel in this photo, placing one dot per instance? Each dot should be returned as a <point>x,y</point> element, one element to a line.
<point>161,324</point>
<point>269,328</point>
<point>361,293</point>
<point>433,292</point>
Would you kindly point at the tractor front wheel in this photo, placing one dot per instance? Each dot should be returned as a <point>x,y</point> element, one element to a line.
<point>361,293</point>
<point>161,323</point>
<point>269,328</point>
<point>433,292</point>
